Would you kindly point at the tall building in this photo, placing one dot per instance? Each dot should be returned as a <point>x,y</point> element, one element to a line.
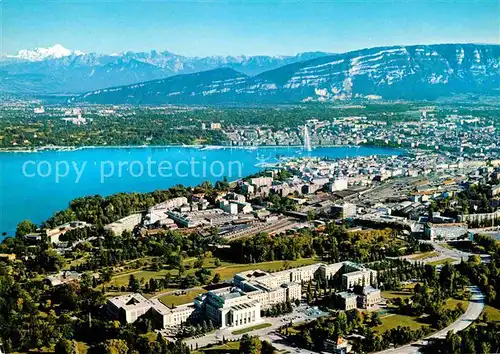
<point>344,211</point>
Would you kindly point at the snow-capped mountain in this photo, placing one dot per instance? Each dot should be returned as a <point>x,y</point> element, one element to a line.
<point>398,72</point>
<point>60,70</point>
<point>55,52</point>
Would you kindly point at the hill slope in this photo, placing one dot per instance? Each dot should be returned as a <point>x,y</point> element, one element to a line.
<point>401,72</point>
<point>60,70</point>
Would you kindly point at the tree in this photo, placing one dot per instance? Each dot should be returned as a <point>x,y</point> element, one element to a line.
<point>162,342</point>
<point>485,348</point>
<point>115,346</point>
<point>216,279</point>
<point>486,317</point>
<point>199,261</point>
<point>267,348</point>
<point>66,346</point>
<point>25,227</point>
<point>250,345</point>
<point>376,321</point>
<point>133,284</point>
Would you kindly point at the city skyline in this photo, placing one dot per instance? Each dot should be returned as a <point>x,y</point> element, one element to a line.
<point>229,28</point>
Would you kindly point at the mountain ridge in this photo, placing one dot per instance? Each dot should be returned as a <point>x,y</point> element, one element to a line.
<point>395,72</point>
<point>60,70</point>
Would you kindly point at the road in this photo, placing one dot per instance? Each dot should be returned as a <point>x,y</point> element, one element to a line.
<point>473,311</point>
<point>443,253</point>
<point>452,253</point>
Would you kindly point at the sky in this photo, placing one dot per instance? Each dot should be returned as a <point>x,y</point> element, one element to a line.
<point>271,27</point>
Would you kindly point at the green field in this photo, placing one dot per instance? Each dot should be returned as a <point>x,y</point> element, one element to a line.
<point>229,347</point>
<point>452,304</point>
<point>424,255</point>
<point>226,270</point>
<point>493,313</point>
<point>250,329</point>
<point>177,300</point>
<point>391,294</point>
<point>405,292</point>
<point>122,279</point>
<point>392,321</point>
<point>443,261</point>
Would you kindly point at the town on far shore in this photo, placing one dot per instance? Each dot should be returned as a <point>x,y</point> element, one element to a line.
<point>357,254</point>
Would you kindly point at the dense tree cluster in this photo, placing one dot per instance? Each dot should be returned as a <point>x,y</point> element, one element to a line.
<point>253,345</point>
<point>277,309</point>
<point>100,211</point>
<point>485,275</point>
<point>334,245</point>
<point>130,127</point>
<point>478,338</point>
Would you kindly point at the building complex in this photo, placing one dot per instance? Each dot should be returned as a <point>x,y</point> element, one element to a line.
<point>240,302</point>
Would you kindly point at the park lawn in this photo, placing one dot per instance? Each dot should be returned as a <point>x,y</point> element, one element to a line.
<point>77,262</point>
<point>226,270</point>
<point>493,313</point>
<point>250,329</point>
<point>443,261</point>
<point>394,320</point>
<point>122,279</point>
<point>222,348</point>
<point>452,304</point>
<point>391,294</point>
<point>424,255</point>
<point>176,300</point>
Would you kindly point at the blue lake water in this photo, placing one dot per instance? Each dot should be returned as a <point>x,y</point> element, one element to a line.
<point>35,185</point>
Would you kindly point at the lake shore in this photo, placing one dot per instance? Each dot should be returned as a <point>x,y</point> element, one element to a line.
<point>22,194</point>
<point>201,147</point>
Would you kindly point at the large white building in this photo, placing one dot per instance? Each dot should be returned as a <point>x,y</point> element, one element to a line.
<point>229,307</point>
<point>128,308</point>
<point>127,223</point>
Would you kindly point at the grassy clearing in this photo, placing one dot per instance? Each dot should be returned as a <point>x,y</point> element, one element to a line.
<point>452,304</point>
<point>392,321</point>
<point>122,279</point>
<point>443,261</point>
<point>253,328</point>
<point>229,347</point>
<point>226,270</point>
<point>77,262</point>
<point>493,313</point>
<point>391,294</point>
<point>177,300</point>
<point>424,255</point>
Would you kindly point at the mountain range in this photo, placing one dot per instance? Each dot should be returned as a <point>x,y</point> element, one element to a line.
<point>59,70</point>
<point>418,72</point>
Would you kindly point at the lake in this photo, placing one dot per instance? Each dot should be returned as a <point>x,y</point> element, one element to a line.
<point>35,185</point>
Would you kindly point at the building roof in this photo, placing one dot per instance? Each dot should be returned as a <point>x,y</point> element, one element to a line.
<point>130,301</point>
<point>346,295</point>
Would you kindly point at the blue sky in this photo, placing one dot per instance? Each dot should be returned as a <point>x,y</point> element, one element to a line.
<point>243,27</point>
